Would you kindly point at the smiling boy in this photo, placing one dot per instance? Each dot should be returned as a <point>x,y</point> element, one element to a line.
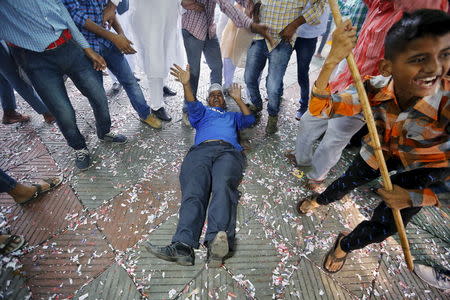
<point>411,108</point>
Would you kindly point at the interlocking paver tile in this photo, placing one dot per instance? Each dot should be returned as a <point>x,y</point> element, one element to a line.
<point>214,283</point>
<point>308,282</point>
<point>160,279</point>
<point>113,284</point>
<point>132,214</point>
<point>63,264</point>
<point>45,216</point>
<point>12,285</point>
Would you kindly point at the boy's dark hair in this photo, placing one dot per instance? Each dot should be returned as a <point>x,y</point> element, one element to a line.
<point>420,23</point>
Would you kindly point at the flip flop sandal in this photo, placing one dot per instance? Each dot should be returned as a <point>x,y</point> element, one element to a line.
<point>301,201</point>
<point>53,182</point>
<point>9,243</point>
<point>335,259</point>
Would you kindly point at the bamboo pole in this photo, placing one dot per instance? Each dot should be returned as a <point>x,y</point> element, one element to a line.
<point>374,139</point>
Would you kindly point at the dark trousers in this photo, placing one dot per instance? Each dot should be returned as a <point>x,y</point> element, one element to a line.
<point>46,69</point>
<point>7,183</point>
<point>382,224</point>
<point>210,174</point>
<point>304,48</point>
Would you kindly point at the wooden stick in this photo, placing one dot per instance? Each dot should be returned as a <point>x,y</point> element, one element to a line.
<point>374,139</point>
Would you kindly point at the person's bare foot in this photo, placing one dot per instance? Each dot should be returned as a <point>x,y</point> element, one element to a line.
<point>335,259</point>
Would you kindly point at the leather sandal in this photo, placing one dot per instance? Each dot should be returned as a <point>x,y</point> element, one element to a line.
<point>301,201</point>
<point>331,255</point>
<point>53,183</point>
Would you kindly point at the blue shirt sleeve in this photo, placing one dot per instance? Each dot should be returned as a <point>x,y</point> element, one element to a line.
<point>244,121</point>
<point>196,111</point>
<point>68,8</point>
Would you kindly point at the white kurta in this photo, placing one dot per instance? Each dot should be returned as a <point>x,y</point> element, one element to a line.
<point>157,34</point>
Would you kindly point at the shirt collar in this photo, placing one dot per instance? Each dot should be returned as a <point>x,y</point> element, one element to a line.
<point>429,105</point>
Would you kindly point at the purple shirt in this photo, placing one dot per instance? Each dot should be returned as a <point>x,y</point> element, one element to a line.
<point>201,23</point>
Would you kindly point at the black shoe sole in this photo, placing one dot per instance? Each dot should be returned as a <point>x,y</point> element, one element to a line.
<point>219,249</point>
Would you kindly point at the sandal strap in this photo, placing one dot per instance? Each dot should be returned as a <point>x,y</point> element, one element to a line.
<point>7,242</point>
<point>38,188</point>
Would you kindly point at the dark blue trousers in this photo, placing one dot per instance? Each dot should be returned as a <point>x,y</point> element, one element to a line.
<point>209,179</point>
<point>7,183</point>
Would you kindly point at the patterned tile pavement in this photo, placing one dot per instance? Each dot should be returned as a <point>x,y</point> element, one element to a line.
<point>85,240</point>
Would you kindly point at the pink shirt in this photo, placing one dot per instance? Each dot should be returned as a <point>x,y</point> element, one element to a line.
<point>369,50</point>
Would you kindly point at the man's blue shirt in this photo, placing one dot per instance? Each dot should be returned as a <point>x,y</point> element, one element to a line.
<point>33,25</point>
<point>213,123</point>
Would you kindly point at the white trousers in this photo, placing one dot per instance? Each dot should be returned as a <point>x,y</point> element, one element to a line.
<point>338,132</point>
<point>156,92</point>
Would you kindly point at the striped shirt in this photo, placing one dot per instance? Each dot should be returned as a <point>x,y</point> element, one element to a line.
<point>277,14</point>
<point>81,10</point>
<point>369,49</point>
<point>418,136</point>
<point>34,25</point>
<point>201,23</point>
<point>355,10</point>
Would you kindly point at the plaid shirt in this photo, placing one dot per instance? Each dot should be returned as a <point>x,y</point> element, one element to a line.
<point>201,24</point>
<point>355,10</point>
<point>277,14</point>
<point>81,10</point>
<point>419,136</point>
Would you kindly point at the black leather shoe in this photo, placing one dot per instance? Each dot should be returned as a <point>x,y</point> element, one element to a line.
<point>162,114</point>
<point>177,252</point>
<point>168,92</point>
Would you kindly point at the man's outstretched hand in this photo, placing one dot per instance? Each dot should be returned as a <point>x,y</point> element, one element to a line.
<point>235,91</point>
<point>181,75</point>
<point>263,30</point>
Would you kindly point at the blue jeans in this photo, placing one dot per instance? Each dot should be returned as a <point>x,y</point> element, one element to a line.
<point>211,49</point>
<point>304,48</point>
<point>46,70</point>
<point>325,35</point>
<point>7,183</point>
<point>10,81</point>
<point>209,178</point>
<point>257,56</point>
<point>119,66</point>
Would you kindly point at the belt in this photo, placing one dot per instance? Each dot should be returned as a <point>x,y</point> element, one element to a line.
<point>63,38</point>
<point>215,142</point>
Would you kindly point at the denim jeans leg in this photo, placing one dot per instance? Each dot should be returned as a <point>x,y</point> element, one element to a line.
<point>304,49</point>
<point>194,48</point>
<point>7,97</point>
<point>119,66</point>
<point>45,70</point>
<point>9,70</point>
<point>256,61</point>
<point>213,57</point>
<point>7,183</point>
<point>89,83</point>
<point>278,61</point>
